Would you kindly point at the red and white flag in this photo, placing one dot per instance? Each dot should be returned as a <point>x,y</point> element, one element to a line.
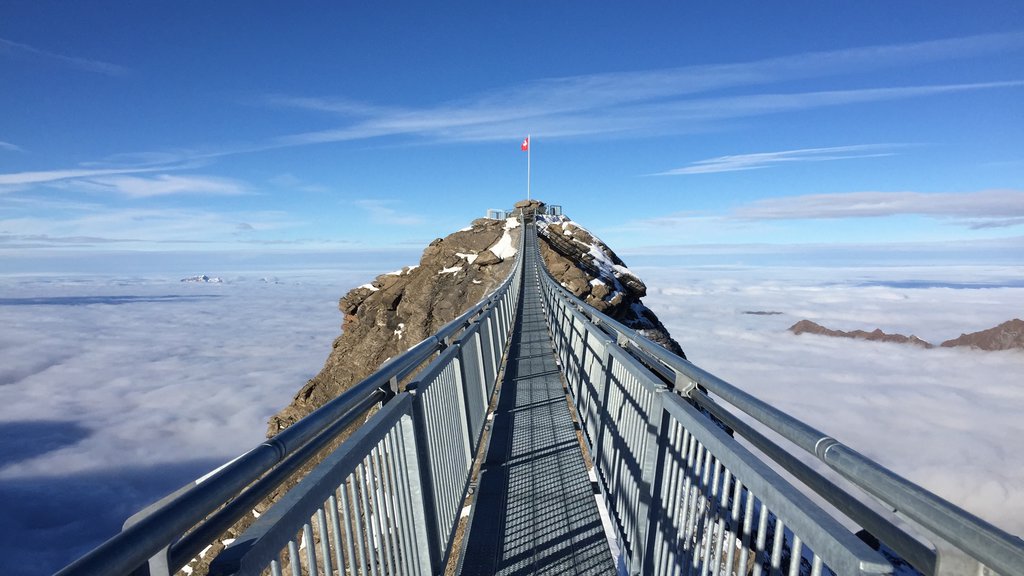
<point>526,144</point>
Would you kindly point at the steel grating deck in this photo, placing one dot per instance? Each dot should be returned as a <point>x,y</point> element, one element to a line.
<point>535,511</point>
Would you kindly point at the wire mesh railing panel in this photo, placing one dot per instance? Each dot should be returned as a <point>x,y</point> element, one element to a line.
<point>686,498</point>
<point>355,513</point>
<point>443,435</point>
<point>624,439</point>
<point>473,379</point>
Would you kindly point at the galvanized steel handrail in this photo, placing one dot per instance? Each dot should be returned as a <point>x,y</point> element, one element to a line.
<point>681,491</point>
<point>388,499</point>
<point>160,535</point>
<point>989,545</point>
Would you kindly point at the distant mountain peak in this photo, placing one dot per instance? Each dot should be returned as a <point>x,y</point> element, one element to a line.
<point>203,278</point>
<point>1007,336</point>
<point>876,335</point>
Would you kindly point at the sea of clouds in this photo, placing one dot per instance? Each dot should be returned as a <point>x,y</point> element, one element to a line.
<point>948,419</point>
<point>116,391</point>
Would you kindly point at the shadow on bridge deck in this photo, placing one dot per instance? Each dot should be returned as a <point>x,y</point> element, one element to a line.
<point>535,511</point>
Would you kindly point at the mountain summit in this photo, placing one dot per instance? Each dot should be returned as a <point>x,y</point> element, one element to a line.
<point>399,309</point>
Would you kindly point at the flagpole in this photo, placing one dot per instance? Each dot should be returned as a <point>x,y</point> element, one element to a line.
<point>529,146</point>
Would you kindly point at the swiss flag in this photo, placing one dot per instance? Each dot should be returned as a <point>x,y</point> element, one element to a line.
<point>526,144</point>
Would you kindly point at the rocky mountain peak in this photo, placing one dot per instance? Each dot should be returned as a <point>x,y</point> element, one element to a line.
<point>588,268</point>
<point>385,317</point>
<point>1006,336</point>
<point>876,335</point>
<point>399,309</point>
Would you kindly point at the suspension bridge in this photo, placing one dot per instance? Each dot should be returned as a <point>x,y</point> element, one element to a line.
<point>535,435</point>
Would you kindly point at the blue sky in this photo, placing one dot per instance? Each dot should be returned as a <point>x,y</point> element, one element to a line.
<point>139,131</point>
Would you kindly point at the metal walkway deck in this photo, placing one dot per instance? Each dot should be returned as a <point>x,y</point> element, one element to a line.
<point>535,511</point>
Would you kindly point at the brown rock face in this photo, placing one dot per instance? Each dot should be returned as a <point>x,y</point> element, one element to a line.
<point>399,309</point>
<point>808,327</point>
<point>1006,336</point>
<point>588,268</point>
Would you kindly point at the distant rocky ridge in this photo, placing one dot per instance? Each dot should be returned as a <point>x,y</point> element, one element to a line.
<point>808,327</point>
<point>1007,336</point>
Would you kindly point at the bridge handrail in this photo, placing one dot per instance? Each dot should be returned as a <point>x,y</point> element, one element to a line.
<point>680,489</point>
<point>389,497</point>
<point>986,543</point>
<point>159,535</point>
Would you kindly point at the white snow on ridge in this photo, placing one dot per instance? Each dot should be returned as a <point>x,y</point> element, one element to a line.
<point>203,278</point>
<point>452,270</point>
<point>469,258</point>
<point>370,287</point>
<point>403,270</point>
<point>598,250</point>
<point>511,222</point>
<point>503,248</point>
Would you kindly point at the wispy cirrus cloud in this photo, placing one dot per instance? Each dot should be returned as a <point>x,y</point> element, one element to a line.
<point>978,209</point>
<point>738,162</point>
<point>87,64</point>
<point>164,185</point>
<point>974,210</point>
<point>483,122</point>
<point>45,176</point>
<point>644,101</point>
<point>10,147</point>
<point>619,104</point>
<point>135,227</point>
<point>382,212</point>
<point>126,181</point>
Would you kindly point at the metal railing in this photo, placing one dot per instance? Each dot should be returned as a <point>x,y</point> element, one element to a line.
<point>684,491</point>
<point>466,352</point>
<point>388,499</point>
<point>685,494</point>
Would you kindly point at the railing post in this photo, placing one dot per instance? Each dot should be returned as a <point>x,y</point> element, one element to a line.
<point>651,473</point>
<point>432,539</point>
<point>421,522</point>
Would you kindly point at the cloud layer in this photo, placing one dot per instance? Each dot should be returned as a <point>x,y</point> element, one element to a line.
<point>86,64</point>
<point>650,101</point>
<point>942,418</point>
<point>115,391</point>
<point>982,208</point>
<point>738,162</point>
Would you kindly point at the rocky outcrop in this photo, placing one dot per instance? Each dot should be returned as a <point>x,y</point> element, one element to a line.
<point>1007,336</point>
<point>808,327</point>
<point>399,309</point>
<point>588,268</point>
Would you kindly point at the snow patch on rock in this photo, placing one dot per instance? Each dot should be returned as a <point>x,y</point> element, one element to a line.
<point>469,258</point>
<point>503,248</point>
<point>204,279</point>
